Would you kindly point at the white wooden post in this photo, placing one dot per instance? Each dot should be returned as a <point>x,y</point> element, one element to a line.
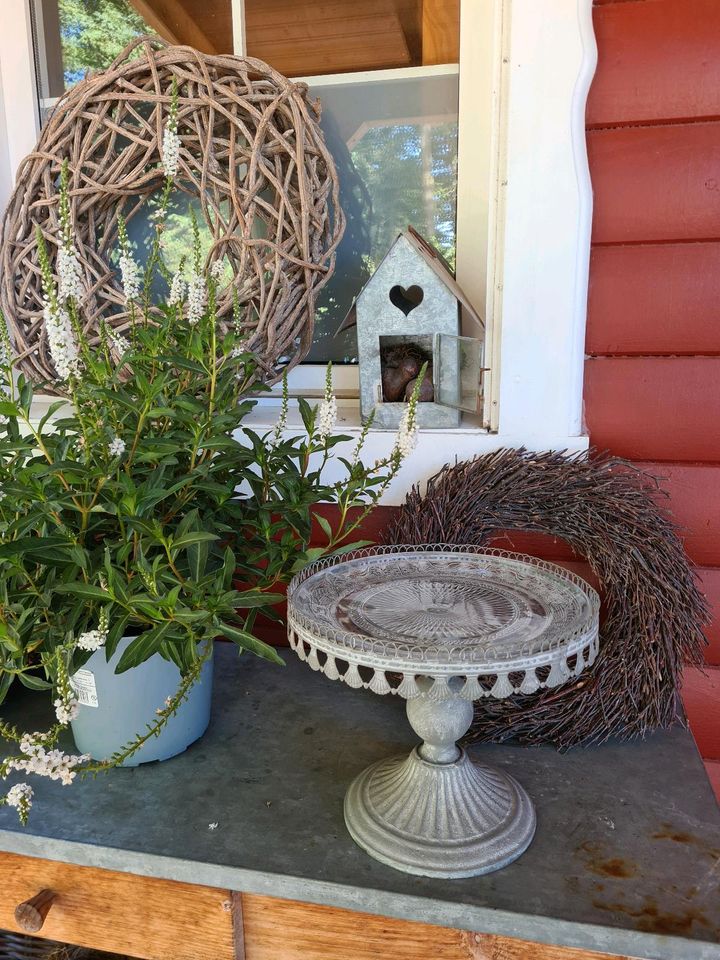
<point>18,110</point>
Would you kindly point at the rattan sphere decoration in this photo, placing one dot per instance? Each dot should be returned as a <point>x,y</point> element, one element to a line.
<point>608,512</point>
<point>252,154</point>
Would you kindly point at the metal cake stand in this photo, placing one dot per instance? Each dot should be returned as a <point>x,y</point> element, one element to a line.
<point>441,626</point>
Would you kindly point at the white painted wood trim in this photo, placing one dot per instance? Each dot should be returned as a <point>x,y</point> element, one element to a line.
<point>6,177</point>
<point>482,37</point>
<point>585,208</point>
<point>382,76</point>
<point>17,80</point>
<point>238,27</point>
<point>546,203</point>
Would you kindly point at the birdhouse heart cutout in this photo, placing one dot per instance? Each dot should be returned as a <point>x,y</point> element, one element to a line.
<point>406,300</point>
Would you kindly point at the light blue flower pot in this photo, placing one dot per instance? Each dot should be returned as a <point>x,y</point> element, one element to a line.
<point>114,708</point>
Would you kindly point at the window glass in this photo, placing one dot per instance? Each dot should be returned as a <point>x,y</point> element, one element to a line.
<point>390,117</point>
<point>384,70</point>
<point>394,140</point>
<point>314,37</point>
<point>74,37</point>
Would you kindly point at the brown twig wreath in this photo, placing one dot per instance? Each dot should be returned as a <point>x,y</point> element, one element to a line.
<point>605,509</point>
<point>251,153</point>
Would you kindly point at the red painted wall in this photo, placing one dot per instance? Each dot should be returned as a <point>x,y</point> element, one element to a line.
<point>652,377</point>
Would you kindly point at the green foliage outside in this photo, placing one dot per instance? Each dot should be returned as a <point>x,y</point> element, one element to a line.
<point>93,33</point>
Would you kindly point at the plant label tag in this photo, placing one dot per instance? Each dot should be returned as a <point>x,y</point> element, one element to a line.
<point>83,683</point>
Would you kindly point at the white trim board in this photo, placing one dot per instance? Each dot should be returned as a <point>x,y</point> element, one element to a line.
<point>17,80</point>
<point>545,212</point>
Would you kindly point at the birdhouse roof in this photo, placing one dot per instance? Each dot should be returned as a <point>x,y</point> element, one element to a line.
<point>437,264</point>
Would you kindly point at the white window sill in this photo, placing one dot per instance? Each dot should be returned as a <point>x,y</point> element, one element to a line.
<point>434,448</point>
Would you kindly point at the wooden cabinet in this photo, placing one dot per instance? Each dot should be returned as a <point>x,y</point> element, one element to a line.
<point>122,913</point>
<point>164,920</point>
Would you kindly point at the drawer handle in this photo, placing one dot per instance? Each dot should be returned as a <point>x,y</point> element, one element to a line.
<point>30,915</point>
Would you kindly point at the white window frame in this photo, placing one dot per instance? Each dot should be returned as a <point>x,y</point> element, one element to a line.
<point>523,223</point>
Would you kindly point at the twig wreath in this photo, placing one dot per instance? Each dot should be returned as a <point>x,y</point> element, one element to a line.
<point>251,155</point>
<point>605,509</point>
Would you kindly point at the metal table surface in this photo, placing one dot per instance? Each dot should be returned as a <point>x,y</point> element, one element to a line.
<point>626,858</point>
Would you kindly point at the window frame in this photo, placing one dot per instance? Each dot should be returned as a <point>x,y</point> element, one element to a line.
<point>522,251</point>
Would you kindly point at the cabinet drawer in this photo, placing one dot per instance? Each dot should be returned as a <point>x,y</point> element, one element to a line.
<point>288,930</point>
<point>123,913</point>
<point>163,920</point>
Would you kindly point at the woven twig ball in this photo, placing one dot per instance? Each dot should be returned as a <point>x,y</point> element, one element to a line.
<point>252,157</point>
<point>607,511</point>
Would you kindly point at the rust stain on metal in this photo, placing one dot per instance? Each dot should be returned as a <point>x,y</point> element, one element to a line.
<point>669,832</point>
<point>597,862</point>
<point>650,919</point>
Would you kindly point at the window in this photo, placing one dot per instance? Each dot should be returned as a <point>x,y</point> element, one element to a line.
<point>390,114</point>
<point>386,72</point>
<point>393,135</point>
<point>524,196</point>
<point>73,37</point>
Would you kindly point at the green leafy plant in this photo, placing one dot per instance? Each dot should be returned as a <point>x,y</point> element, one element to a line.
<point>142,504</point>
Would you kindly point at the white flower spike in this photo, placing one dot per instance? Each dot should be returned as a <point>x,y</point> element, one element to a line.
<point>68,266</point>
<point>197,291</point>
<point>177,290</point>
<point>69,274</point>
<point>61,340</point>
<point>171,140</point>
<point>20,796</point>
<point>53,764</point>
<point>327,411</point>
<point>66,710</point>
<point>95,639</point>
<point>407,434</point>
<point>284,410</point>
<point>92,640</point>
<point>131,277</point>
<point>120,344</point>
<point>171,149</point>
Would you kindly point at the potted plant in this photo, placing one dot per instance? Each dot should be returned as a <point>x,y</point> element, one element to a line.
<point>141,518</point>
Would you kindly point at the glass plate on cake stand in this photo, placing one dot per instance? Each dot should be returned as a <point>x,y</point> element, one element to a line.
<point>441,626</point>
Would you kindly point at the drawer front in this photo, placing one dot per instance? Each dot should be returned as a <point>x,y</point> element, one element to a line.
<point>287,930</point>
<point>163,920</point>
<point>123,913</point>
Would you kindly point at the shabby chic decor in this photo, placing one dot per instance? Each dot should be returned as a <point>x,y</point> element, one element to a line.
<point>442,626</point>
<point>245,145</point>
<point>609,512</point>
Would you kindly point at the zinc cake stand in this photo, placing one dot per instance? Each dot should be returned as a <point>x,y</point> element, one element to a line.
<point>441,626</point>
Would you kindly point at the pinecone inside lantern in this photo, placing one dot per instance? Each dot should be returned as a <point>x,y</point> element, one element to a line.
<point>400,365</point>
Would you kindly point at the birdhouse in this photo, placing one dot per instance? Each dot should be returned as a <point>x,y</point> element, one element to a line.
<point>407,314</point>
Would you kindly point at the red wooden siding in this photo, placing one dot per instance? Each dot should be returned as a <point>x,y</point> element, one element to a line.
<point>659,62</point>
<point>652,389</point>
<point>654,299</point>
<point>656,183</point>
<point>654,408</point>
<point>701,696</point>
<point>694,498</point>
<point>710,584</point>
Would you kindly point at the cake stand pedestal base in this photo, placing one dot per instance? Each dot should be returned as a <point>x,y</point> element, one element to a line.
<point>435,813</point>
